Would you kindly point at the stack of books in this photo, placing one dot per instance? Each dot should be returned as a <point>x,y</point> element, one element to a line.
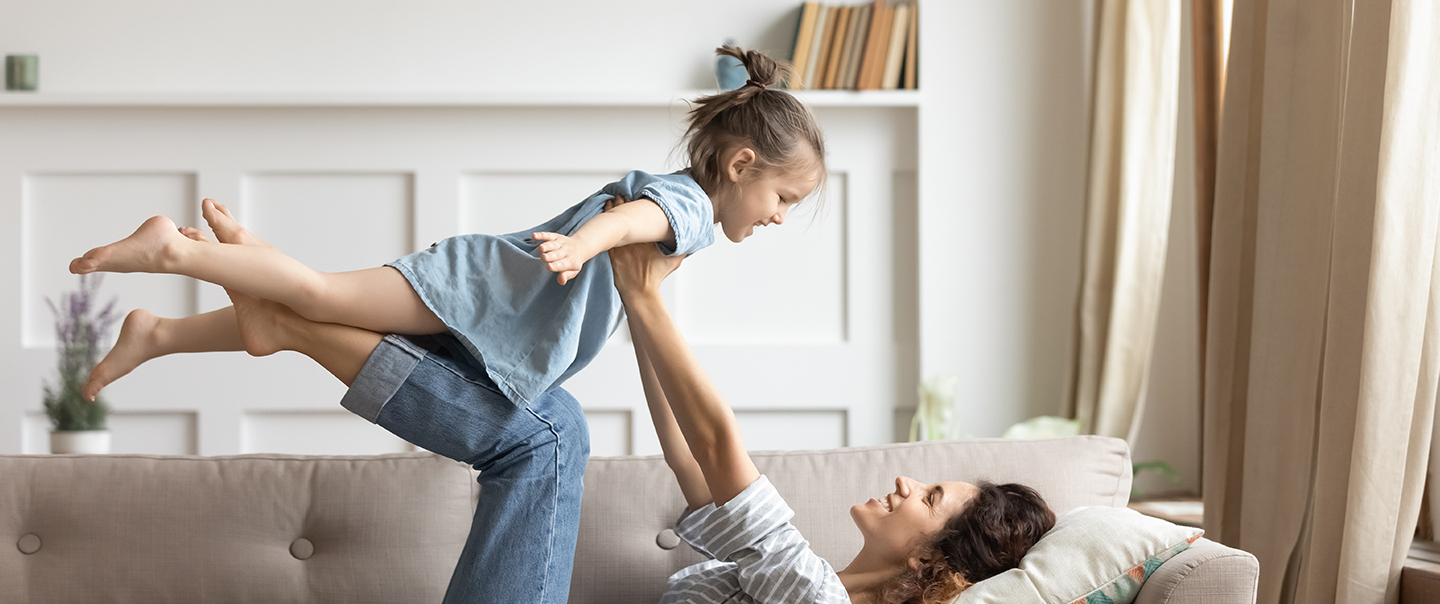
<point>865,47</point>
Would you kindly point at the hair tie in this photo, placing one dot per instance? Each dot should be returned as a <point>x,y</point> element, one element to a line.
<point>749,82</point>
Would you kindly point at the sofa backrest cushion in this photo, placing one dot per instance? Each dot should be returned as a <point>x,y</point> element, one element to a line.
<point>253,528</point>
<point>630,502</point>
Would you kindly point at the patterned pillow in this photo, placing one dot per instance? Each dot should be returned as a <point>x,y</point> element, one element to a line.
<point>1094,555</point>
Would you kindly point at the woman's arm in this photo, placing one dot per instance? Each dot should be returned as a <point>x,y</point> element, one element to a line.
<point>672,441</point>
<point>620,224</point>
<point>704,418</point>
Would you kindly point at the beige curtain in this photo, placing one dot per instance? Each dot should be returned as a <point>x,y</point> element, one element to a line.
<point>1324,324</point>
<point>1127,220</point>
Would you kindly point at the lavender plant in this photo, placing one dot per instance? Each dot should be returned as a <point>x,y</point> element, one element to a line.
<point>79,331</point>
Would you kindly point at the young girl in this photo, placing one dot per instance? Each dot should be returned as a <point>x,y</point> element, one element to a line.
<point>754,153</point>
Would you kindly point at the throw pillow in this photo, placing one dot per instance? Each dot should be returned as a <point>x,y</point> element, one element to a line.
<point>1093,555</point>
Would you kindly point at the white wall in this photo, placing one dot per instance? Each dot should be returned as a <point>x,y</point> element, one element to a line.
<point>1002,160</point>
<point>376,45</point>
<point>1001,129</point>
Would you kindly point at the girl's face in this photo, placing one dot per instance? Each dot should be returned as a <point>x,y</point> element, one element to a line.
<point>761,201</point>
<point>894,525</point>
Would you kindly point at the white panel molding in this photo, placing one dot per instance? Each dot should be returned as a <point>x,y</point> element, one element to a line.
<point>424,173</point>
<point>329,432</point>
<point>53,233</point>
<point>333,221</point>
<point>135,432</point>
<point>793,429</point>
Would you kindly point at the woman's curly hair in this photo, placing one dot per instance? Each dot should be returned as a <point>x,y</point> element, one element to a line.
<point>990,536</point>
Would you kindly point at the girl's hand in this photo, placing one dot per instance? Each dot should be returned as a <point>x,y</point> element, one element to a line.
<point>564,255</point>
<point>640,268</point>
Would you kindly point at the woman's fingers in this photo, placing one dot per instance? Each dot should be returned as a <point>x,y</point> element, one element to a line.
<point>641,266</point>
<point>614,201</point>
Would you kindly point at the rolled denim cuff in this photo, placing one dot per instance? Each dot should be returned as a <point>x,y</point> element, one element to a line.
<point>388,368</point>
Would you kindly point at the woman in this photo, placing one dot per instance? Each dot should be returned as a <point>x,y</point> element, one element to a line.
<point>923,542</point>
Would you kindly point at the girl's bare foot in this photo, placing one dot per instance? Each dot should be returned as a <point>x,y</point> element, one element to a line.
<point>195,234</point>
<point>261,321</point>
<point>140,341</point>
<point>147,250</point>
<point>227,229</point>
<point>264,325</point>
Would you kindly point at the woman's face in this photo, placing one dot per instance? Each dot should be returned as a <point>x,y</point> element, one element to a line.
<point>895,524</point>
<point>758,202</point>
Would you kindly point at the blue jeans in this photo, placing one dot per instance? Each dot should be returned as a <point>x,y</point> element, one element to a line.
<point>429,391</point>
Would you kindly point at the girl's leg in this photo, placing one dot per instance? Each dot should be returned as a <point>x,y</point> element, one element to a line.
<point>268,327</point>
<point>144,336</point>
<point>521,545</point>
<point>378,299</point>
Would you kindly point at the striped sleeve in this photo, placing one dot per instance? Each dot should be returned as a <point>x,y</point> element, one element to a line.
<point>773,562</point>
<point>721,531</point>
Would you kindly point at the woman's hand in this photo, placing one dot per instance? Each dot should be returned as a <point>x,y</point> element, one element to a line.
<point>641,267</point>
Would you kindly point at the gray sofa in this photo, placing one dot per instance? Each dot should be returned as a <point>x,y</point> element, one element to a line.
<point>274,528</point>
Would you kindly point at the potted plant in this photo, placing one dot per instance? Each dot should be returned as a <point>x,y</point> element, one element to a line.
<point>78,425</point>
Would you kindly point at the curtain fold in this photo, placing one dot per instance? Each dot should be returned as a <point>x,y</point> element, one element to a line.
<point>1324,310</point>
<point>1127,220</point>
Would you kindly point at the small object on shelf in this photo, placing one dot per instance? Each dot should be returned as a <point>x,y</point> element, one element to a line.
<point>729,71</point>
<point>22,73</point>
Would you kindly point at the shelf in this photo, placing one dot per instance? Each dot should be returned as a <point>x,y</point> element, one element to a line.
<point>813,98</point>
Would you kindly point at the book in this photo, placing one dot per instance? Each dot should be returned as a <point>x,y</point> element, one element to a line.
<point>857,47</point>
<point>847,44</point>
<point>808,12</point>
<point>872,45</point>
<point>837,43</point>
<point>881,25</point>
<point>814,53</point>
<point>890,80</point>
<point>912,48</point>
<point>816,78</point>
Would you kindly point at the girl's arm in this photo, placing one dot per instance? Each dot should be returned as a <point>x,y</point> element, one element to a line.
<point>621,224</point>
<point>704,418</point>
<point>672,441</point>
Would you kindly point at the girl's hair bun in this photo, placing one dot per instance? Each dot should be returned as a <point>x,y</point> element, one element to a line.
<point>762,70</point>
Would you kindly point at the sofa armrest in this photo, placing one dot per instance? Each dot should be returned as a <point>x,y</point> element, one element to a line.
<point>1207,572</point>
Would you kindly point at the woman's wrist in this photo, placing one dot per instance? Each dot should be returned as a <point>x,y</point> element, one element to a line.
<point>640,296</point>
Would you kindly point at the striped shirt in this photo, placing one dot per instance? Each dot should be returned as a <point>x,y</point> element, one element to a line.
<point>756,555</point>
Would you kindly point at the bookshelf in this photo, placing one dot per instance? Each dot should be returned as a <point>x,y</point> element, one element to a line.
<point>871,46</point>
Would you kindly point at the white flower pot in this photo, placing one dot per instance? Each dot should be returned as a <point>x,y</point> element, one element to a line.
<point>92,442</point>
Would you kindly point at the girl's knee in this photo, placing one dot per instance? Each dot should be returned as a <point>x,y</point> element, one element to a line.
<point>567,420</point>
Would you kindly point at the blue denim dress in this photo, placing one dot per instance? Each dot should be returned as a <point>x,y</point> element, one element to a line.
<point>496,296</point>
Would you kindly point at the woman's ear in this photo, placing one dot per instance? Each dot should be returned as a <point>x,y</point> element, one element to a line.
<point>740,160</point>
